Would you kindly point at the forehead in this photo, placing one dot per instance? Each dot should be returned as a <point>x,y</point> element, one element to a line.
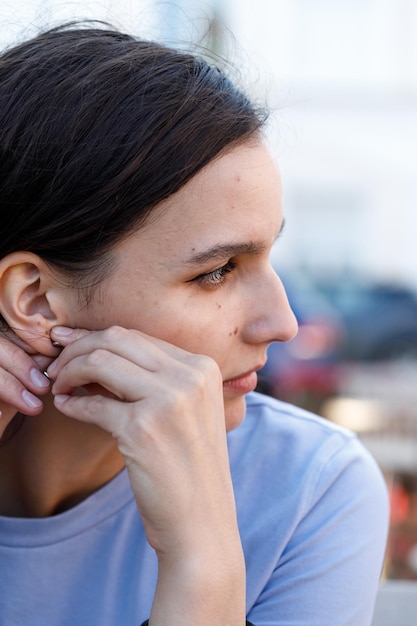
<point>237,194</point>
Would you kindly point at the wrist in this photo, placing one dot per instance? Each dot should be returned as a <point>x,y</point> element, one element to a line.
<point>200,591</point>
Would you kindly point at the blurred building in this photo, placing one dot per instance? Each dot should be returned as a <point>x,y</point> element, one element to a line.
<point>342,77</point>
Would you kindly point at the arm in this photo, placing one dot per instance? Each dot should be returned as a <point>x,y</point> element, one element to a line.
<point>164,407</point>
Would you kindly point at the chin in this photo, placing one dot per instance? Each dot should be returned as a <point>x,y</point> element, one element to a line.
<point>235,411</point>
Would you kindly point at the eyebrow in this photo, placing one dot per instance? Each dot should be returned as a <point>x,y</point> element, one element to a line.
<point>222,251</point>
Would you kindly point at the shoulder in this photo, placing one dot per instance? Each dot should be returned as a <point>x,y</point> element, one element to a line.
<point>313,515</point>
<point>277,428</point>
<point>290,451</point>
<point>281,416</point>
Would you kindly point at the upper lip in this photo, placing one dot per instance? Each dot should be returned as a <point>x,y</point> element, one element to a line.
<point>254,369</point>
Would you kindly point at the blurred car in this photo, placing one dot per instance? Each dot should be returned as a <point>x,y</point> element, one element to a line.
<point>380,319</point>
<point>305,367</point>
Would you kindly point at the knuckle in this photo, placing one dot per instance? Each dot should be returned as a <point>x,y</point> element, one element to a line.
<point>197,379</point>
<point>137,424</point>
<point>206,366</point>
<point>93,406</point>
<point>114,334</point>
<point>173,397</point>
<point>11,389</point>
<point>198,376</point>
<point>12,356</point>
<point>97,358</point>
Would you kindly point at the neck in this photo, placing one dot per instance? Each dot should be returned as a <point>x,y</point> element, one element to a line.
<point>54,462</point>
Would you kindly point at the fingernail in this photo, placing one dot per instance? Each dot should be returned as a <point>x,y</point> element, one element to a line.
<point>60,398</point>
<point>39,380</point>
<point>61,331</point>
<point>30,400</point>
<point>51,370</point>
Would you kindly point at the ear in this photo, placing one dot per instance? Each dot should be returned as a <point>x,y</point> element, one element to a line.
<point>31,300</point>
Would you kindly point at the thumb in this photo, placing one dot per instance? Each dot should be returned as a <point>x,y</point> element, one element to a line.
<point>63,335</point>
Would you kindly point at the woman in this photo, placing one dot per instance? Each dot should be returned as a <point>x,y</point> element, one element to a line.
<point>140,202</point>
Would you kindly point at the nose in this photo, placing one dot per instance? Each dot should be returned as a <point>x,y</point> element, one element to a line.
<point>272,318</point>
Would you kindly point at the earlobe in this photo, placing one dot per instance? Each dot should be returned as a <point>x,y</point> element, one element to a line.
<point>29,300</point>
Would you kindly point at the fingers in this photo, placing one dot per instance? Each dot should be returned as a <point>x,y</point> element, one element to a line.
<point>164,407</point>
<point>20,384</point>
<point>16,397</point>
<point>94,409</point>
<point>21,381</point>
<point>112,372</point>
<point>21,377</point>
<point>64,335</point>
<point>121,361</point>
<point>129,366</point>
<point>42,361</point>
<point>141,349</point>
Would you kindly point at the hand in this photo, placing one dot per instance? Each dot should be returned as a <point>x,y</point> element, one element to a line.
<point>164,407</point>
<point>21,379</point>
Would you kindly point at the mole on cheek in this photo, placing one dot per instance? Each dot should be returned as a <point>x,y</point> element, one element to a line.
<point>219,306</point>
<point>235,332</point>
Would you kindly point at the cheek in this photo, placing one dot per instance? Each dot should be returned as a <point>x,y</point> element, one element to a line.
<point>187,322</point>
<point>198,329</point>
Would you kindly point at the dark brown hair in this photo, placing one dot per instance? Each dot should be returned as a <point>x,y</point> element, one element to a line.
<point>96,128</point>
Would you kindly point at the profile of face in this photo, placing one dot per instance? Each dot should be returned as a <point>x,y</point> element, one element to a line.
<point>168,233</point>
<point>198,275</point>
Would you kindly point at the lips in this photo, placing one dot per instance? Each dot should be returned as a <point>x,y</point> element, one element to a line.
<point>245,383</point>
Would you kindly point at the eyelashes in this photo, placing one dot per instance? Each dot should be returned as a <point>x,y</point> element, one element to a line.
<point>216,277</point>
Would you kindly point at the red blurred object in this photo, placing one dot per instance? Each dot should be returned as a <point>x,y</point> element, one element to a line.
<point>315,339</point>
<point>306,368</point>
<point>399,503</point>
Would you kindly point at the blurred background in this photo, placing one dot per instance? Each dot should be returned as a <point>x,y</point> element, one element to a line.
<point>340,77</point>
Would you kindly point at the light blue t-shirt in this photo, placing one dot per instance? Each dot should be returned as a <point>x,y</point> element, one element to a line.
<point>312,510</point>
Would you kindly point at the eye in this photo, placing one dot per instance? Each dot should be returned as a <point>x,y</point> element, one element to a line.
<point>216,277</point>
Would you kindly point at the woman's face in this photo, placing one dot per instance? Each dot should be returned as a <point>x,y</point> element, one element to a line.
<point>198,274</point>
